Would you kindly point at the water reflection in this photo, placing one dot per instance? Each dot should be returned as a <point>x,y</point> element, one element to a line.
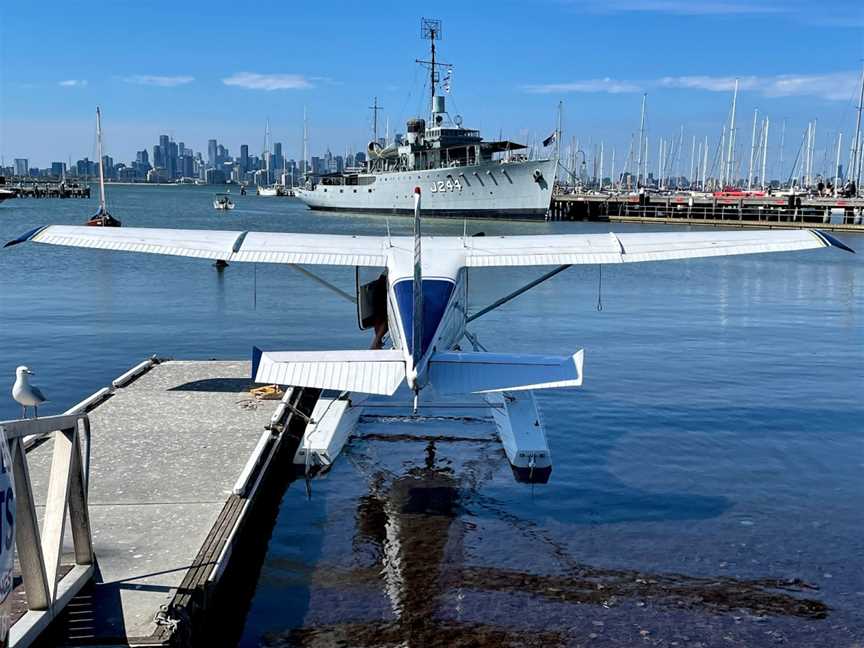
<point>415,542</point>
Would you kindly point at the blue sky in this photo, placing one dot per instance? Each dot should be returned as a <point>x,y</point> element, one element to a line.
<point>201,70</point>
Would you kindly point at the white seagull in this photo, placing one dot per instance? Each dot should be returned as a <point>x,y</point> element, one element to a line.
<point>25,393</point>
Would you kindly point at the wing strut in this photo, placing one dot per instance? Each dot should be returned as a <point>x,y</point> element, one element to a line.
<point>516,293</point>
<point>324,282</point>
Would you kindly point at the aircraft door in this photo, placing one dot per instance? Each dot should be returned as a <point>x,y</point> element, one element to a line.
<point>371,287</point>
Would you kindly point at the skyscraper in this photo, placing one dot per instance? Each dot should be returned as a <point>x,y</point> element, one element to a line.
<point>157,157</point>
<point>211,152</point>
<point>244,158</point>
<point>22,166</point>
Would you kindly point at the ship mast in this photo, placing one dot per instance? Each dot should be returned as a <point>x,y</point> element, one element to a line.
<point>102,207</point>
<point>430,29</point>
<point>375,108</point>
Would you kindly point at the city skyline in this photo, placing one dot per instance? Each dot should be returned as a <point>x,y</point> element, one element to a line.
<point>510,73</point>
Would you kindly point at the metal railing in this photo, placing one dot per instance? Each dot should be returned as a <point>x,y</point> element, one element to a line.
<point>40,551</point>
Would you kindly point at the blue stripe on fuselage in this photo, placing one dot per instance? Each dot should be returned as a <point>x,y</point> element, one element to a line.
<point>436,294</point>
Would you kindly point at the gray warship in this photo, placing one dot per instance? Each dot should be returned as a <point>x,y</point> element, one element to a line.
<point>459,173</point>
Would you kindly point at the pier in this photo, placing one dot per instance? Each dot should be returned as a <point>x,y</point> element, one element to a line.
<point>140,510</point>
<point>831,213</point>
<point>34,189</point>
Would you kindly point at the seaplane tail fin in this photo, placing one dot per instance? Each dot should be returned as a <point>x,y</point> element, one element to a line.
<point>368,372</point>
<point>460,373</point>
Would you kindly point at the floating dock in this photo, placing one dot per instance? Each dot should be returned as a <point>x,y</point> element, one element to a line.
<point>164,476</point>
<point>831,213</point>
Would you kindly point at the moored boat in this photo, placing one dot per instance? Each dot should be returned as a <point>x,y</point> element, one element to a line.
<point>101,218</point>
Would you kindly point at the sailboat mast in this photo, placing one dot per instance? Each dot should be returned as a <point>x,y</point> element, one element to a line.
<point>305,147</point>
<point>765,156</point>
<point>856,150</point>
<point>752,151</point>
<point>692,162</point>
<point>99,153</point>
<point>837,164</point>
<point>729,158</point>
<point>641,140</point>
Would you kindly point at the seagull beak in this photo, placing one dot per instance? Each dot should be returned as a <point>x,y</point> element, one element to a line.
<point>30,373</point>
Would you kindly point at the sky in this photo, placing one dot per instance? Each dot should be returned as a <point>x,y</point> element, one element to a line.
<point>217,69</point>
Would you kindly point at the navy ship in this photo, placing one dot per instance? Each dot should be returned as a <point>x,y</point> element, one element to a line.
<point>459,173</point>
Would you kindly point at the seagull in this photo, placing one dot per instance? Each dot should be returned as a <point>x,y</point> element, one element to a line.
<point>25,393</point>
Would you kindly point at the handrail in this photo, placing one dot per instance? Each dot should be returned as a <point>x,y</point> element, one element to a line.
<point>18,428</point>
<point>40,550</point>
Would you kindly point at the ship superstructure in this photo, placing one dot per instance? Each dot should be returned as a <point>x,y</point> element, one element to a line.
<point>462,174</point>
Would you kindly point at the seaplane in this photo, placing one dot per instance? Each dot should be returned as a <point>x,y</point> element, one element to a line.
<point>419,304</point>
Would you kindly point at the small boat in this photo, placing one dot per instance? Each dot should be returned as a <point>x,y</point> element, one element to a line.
<point>269,191</point>
<point>101,218</point>
<point>223,202</point>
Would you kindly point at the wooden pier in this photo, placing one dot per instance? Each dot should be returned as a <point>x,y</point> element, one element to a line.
<point>48,190</point>
<point>167,476</point>
<point>838,214</point>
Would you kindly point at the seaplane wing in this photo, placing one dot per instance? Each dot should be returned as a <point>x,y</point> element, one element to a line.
<point>573,249</point>
<point>367,372</point>
<point>258,247</point>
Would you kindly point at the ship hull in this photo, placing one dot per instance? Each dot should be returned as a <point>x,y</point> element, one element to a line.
<point>514,190</point>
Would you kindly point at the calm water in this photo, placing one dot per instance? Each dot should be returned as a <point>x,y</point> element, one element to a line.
<point>712,465</point>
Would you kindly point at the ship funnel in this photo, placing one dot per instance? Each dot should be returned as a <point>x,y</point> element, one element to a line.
<point>438,104</point>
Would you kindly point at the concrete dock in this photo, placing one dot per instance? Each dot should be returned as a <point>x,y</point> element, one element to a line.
<point>179,457</point>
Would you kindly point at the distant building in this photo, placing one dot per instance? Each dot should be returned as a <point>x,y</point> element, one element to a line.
<point>58,169</point>
<point>244,158</point>
<point>108,166</point>
<point>187,166</point>
<point>215,176</point>
<point>22,166</point>
<point>86,168</point>
<point>157,156</point>
<point>211,152</point>
<point>142,158</point>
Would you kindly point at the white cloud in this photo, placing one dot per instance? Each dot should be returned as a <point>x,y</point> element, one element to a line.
<point>73,83</point>
<point>161,81</point>
<point>833,86</point>
<point>255,81</point>
<point>611,86</point>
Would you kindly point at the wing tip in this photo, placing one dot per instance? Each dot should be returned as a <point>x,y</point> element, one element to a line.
<point>26,236</point>
<point>832,241</point>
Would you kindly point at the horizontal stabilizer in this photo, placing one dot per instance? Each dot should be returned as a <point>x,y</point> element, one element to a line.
<point>368,372</point>
<point>454,373</point>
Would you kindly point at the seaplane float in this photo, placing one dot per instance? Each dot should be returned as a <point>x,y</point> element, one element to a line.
<point>418,302</point>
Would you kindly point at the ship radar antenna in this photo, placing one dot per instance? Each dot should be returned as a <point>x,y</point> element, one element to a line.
<point>430,29</point>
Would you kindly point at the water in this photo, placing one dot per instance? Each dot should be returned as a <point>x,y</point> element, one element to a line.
<point>714,454</point>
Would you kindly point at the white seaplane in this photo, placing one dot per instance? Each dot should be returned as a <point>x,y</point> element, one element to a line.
<point>421,298</point>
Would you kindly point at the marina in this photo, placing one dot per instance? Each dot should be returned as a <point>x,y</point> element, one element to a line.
<point>621,521</point>
<point>728,209</point>
<point>567,355</point>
